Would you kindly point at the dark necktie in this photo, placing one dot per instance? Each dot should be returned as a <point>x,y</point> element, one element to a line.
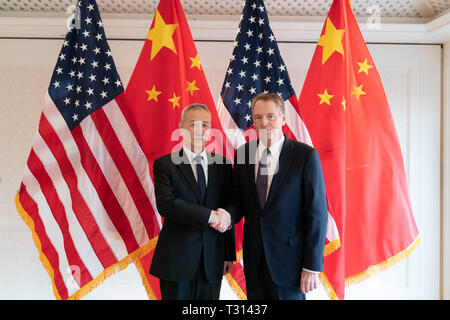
<point>201,181</point>
<point>261,178</point>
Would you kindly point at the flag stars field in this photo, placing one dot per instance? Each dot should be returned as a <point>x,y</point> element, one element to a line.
<point>83,61</point>
<point>254,64</point>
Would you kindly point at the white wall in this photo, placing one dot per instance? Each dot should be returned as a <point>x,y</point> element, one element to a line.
<point>446,171</point>
<point>411,75</point>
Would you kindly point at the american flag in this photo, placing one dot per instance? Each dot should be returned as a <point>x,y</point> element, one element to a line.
<point>86,193</point>
<point>256,66</point>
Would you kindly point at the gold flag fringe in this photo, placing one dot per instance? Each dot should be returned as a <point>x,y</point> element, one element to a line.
<point>143,273</point>
<point>332,246</point>
<point>235,287</point>
<point>375,269</point>
<point>372,270</point>
<point>150,245</point>
<point>328,287</point>
<point>30,223</point>
<point>329,248</point>
<point>118,266</point>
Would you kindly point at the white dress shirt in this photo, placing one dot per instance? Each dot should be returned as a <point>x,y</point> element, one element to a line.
<point>272,159</point>
<point>204,162</point>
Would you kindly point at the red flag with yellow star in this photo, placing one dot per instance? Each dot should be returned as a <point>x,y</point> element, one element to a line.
<point>167,77</point>
<point>347,114</point>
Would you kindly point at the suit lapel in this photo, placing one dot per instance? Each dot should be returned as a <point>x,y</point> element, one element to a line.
<point>283,168</point>
<point>212,176</point>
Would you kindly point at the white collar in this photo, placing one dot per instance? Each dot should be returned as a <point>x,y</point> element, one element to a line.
<point>275,149</point>
<point>192,155</point>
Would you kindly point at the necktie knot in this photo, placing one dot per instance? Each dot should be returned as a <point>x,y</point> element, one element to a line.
<point>264,157</point>
<point>198,159</point>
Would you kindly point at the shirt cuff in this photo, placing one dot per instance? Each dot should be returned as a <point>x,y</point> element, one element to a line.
<point>209,220</point>
<point>316,272</point>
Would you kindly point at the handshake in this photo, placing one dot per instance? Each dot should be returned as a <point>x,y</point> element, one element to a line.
<point>220,220</point>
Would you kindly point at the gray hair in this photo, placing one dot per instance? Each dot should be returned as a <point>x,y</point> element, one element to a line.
<point>191,107</point>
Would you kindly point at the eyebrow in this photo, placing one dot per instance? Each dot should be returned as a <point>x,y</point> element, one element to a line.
<point>260,115</point>
<point>194,121</point>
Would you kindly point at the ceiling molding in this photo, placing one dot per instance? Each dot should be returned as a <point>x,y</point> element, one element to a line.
<point>210,27</point>
<point>362,8</point>
<point>424,8</point>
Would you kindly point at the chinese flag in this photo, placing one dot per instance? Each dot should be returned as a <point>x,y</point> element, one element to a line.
<point>345,109</point>
<point>167,77</point>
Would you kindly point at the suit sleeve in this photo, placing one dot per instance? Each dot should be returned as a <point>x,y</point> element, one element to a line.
<point>230,245</point>
<point>171,207</point>
<point>235,207</point>
<point>316,213</point>
<point>230,242</point>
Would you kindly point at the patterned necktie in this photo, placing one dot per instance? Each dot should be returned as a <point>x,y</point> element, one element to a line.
<point>261,178</point>
<point>201,181</point>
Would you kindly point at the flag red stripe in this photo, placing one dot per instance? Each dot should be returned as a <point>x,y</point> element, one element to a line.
<point>127,172</point>
<point>287,131</point>
<point>47,247</point>
<point>106,195</point>
<point>79,206</point>
<point>294,101</point>
<point>238,274</point>
<point>59,213</point>
<point>126,111</point>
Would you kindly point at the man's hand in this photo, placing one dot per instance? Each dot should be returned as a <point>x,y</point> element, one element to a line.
<point>227,266</point>
<point>227,217</point>
<point>220,220</point>
<point>309,281</point>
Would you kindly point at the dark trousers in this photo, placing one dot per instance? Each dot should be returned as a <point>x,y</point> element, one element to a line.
<point>260,286</point>
<point>197,288</point>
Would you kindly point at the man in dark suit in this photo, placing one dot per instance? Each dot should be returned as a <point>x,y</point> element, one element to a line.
<point>279,189</point>
<point>191,256</point>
